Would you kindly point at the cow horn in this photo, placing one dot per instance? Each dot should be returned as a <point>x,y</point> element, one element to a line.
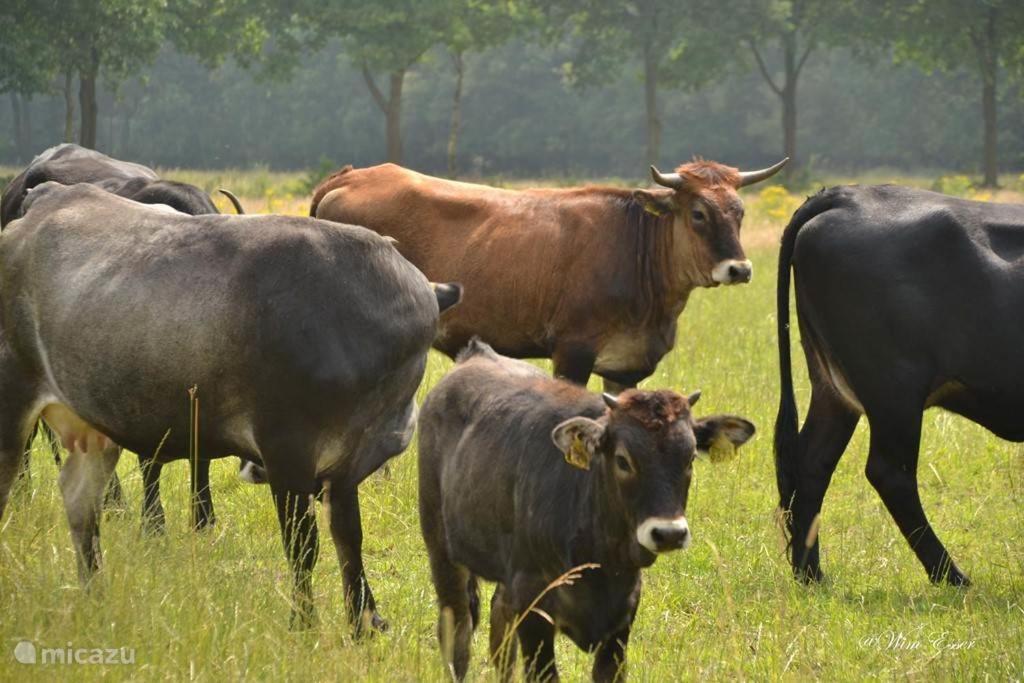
<point>234,200</point>
<point>673,180</point>
<point>610,400</point>
<point>751,177</point>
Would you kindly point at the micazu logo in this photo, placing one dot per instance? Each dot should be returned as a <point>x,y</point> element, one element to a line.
<point>26,652</point>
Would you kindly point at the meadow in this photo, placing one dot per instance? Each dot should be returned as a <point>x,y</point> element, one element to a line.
<point>214,606</point>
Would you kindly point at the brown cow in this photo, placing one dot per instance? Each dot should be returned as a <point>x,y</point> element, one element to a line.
<point>593,278</point>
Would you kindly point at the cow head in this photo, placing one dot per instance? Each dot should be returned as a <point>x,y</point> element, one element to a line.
<point>642,452</point>
<point>702,198</point>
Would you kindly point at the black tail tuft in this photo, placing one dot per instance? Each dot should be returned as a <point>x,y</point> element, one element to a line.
<point>787,420</point>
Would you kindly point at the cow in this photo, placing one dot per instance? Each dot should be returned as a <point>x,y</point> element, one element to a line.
<point>523,477</point>
<point>305,340</point>
<point>906,300</point>
<point>594,278</point>
<point>69,164</point>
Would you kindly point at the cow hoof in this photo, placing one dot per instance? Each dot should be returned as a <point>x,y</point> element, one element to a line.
<point>953,577</point>
<point>370,624</point>
<point>808,575</point>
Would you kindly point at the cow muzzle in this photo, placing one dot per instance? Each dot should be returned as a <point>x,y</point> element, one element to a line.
<point>732,272</point>
<point>663,534</point>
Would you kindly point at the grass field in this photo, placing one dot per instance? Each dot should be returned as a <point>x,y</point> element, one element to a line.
<point>214,606</point>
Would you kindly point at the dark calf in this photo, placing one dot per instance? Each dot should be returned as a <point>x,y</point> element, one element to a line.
<point>523,477</point>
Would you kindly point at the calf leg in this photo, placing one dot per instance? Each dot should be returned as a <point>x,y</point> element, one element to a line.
<point>297,518</point>
<point>823,439</point>
<point>202,503</point>
<point>892,470</point>
<point>347,532</point>
<point>574,363</point>
<point>503,640</point>
<point>455,623</point>
<point>610,659</point>
<point>152,509</point>
<point>114,496</point>
<point>537,640</point>
<point>83,479</point>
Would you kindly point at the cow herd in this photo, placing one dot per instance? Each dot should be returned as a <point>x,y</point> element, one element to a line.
<point>128,301</point>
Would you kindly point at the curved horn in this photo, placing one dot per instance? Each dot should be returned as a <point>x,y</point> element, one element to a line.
<point>673,180</point>
<point>751,177</point>
<point>234,200</point>
<point>610,401</point>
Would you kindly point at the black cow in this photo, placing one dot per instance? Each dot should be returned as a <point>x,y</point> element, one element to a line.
<point>306,340</point>
<point>523,477</point>
<point>906,299</point>
<point>69,164</point>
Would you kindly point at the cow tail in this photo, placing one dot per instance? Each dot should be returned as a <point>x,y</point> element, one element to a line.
<point>786,422</point>
<point>331,182</point>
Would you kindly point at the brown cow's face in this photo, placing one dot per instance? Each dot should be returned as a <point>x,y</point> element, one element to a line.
<point>706,232</point>
<point>643,451</point>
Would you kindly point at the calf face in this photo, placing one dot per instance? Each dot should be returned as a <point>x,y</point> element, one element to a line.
<point>645,447</point>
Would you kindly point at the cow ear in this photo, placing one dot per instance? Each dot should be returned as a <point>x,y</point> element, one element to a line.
<point>720,435</point>
<point>578,438</point>
<point>657,202</point>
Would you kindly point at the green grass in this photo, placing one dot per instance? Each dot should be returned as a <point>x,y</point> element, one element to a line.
<point>214,606</point>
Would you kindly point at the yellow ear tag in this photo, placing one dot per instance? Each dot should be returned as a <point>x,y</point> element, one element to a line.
<point>577,454</point>
<point>721,449</point>
<point>652,209</point>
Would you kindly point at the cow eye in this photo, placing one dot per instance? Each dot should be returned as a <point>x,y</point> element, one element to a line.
<point>624,464</point>
<point>697,215</point>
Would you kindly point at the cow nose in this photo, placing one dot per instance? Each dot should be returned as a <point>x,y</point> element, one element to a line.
<point>732,272</point>
<point>739,272</point>
<point>669,538</point>
<point>661,534</point>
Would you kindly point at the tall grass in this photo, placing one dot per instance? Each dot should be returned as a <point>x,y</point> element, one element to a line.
<point>214,606</point>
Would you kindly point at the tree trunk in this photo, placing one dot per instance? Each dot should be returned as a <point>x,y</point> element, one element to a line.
<point>87,102</point>
<point>16,121</point>
<point>651,104</point>
<point>990,69</point>
<point>69,107</point>
<point>453,133</point>
<point>392,108</point>
<point>788,96</point>
<point>394,117</point>
<point>26,125</point>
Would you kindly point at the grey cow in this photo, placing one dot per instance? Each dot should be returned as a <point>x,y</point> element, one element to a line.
<point>306,339</point>
<point>523,477</point>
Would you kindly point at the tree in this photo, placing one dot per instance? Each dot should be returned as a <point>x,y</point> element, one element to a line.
<point>27,65</point>
<point>793,30</point>
<point>476,25</point>
<point>114,38</point>
<point>940,34</point>
<point>658,33</point>
<point>387,36</point>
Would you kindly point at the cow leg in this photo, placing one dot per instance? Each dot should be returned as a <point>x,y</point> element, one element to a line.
<point>297,518</point>
<point>347,532</point>
<point>892,470</point>
<point>153,521</point>
<point>202,504</point>
<point>83,480</point>
<point>574,363</point>
<point>537,640</point>
<point>503,641</point>
<point>114,496</point>
<point>455,623</point>
<point>610,659</point>
<point>823,440</point>
<point>13,456</point>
